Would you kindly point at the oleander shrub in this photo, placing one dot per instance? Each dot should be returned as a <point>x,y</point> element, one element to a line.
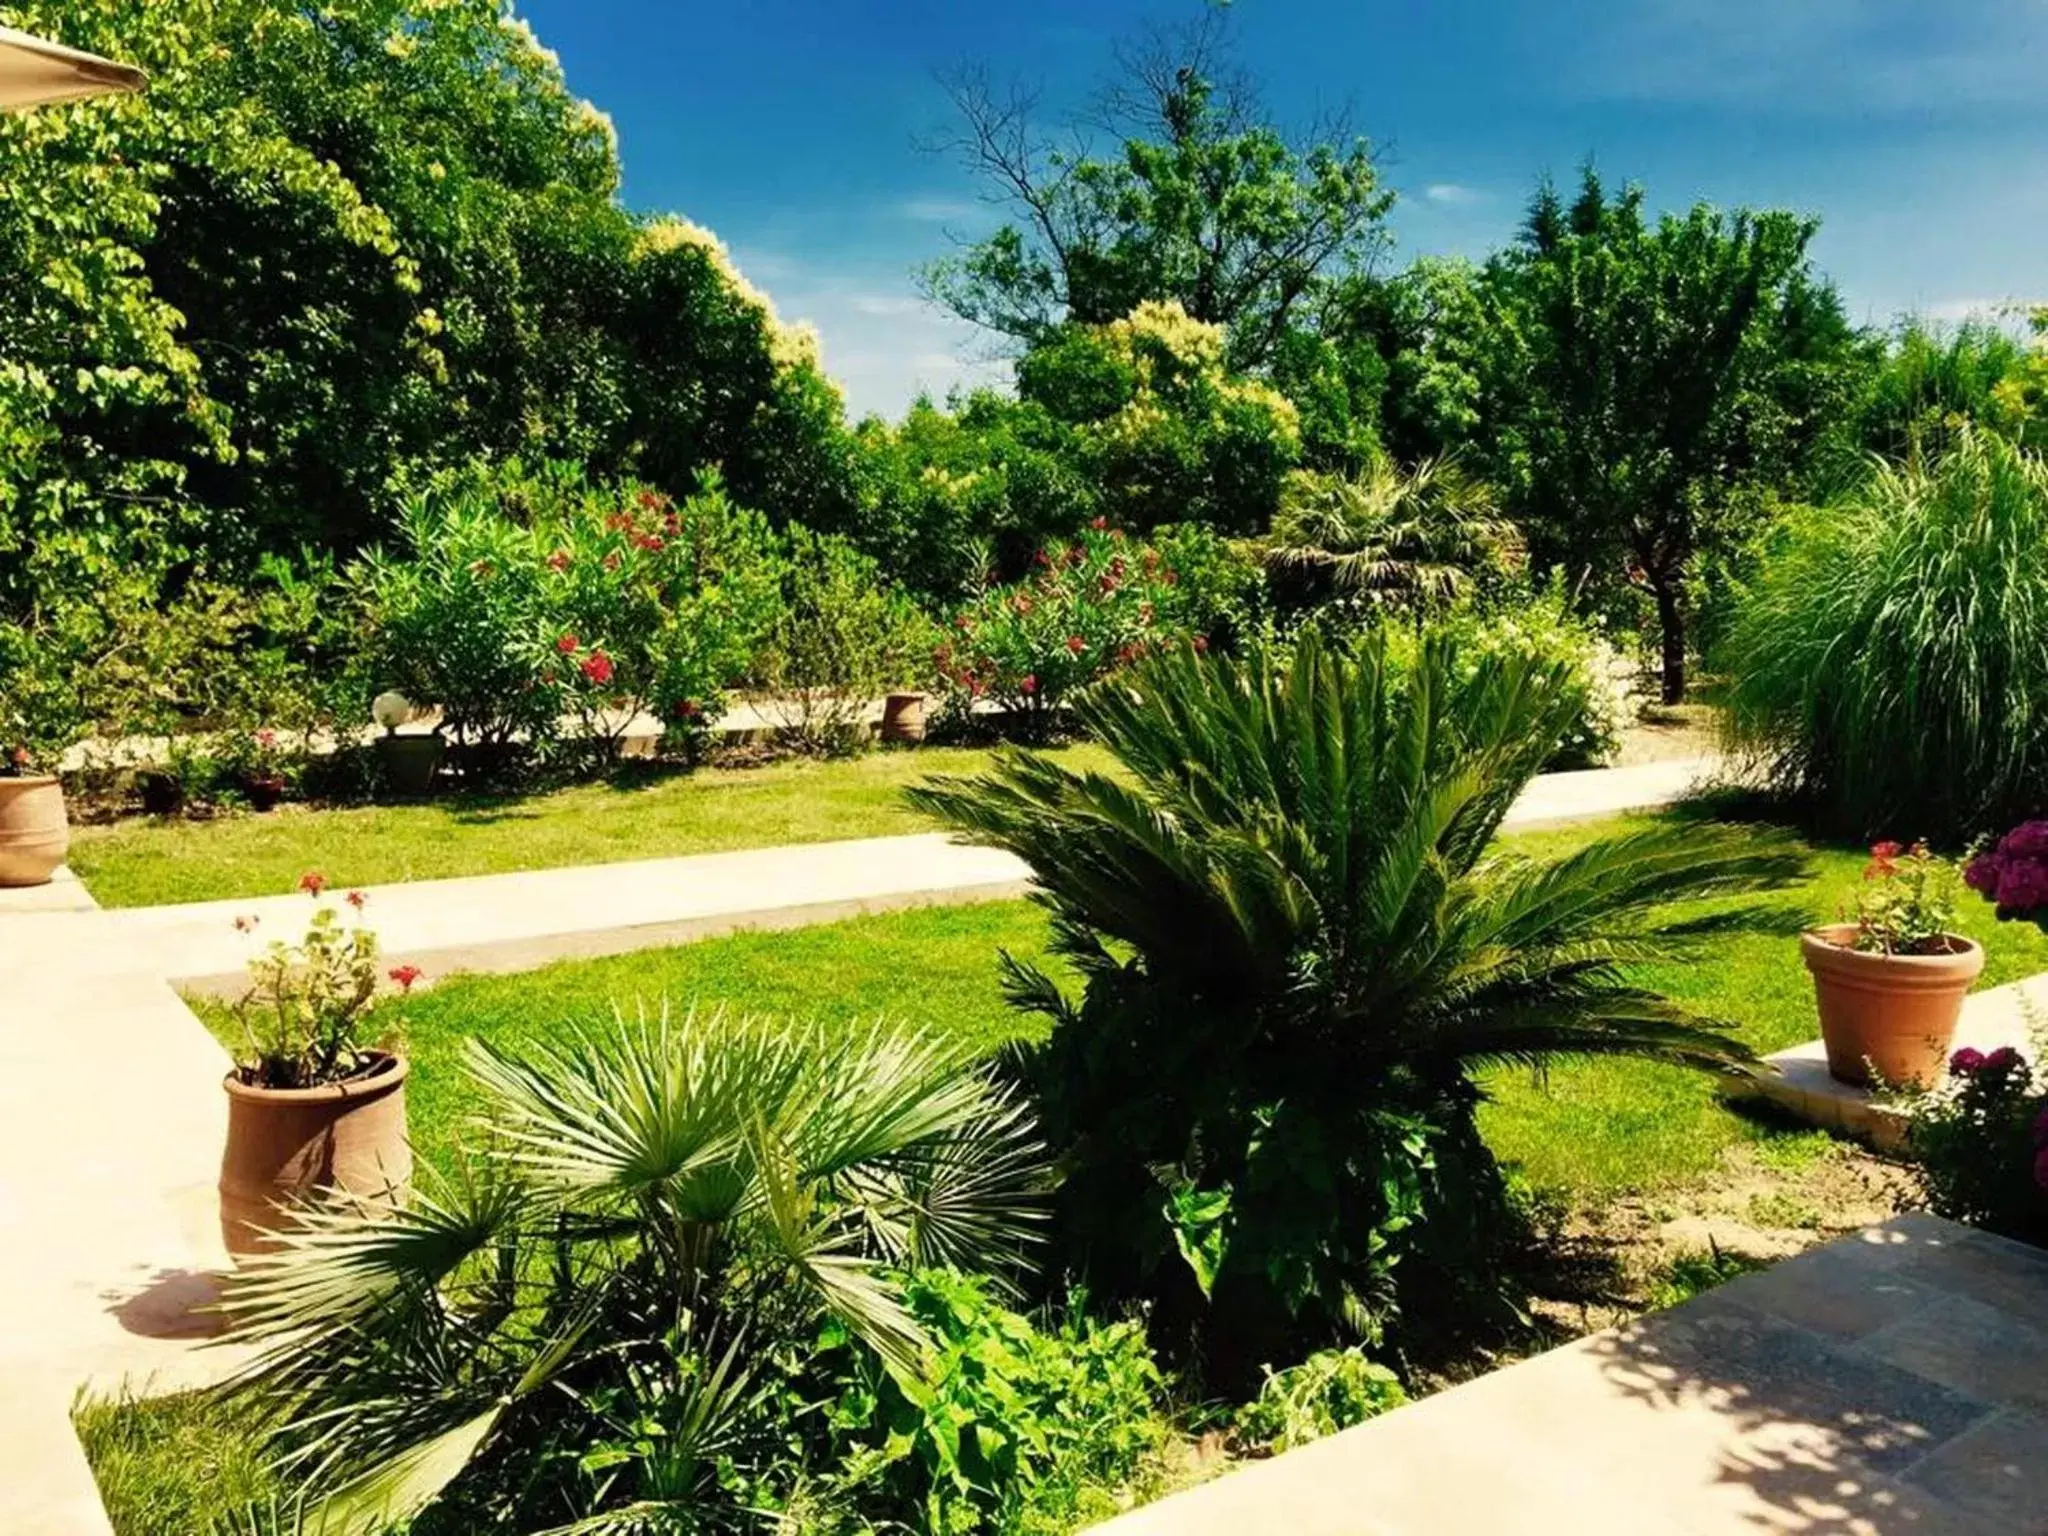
<point>1297,943</point>
<point>1090,606</point>
<point>1889,660</point>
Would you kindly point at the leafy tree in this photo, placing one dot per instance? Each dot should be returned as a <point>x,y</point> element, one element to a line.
<point>1653,382</point>
<point>1297,942</point>
<point>1160,424</point>
<point>1202,203</point>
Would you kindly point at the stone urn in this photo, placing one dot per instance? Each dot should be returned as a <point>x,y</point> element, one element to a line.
<point>903,717</point>
<point>285,1144</point>
<point>1894,1013</point>
<point>410,762</point>
<point>34,832</point>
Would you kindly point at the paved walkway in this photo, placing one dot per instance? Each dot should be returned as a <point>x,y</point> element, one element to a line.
<point>112,1118</point>
<point>1891,1382</point>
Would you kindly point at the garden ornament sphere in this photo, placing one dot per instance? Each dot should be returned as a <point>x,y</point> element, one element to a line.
<point>391,709</point>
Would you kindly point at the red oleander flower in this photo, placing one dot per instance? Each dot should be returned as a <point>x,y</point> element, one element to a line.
<point>569,645</point>
<point>357,899</point>
<point>1041,558</point>
<point>1028,686</point>
<point>688,709</point>
<point>405,976</point>
<point>618,522</point>
<point>1886,850</point>
<point>647,541</point>
<point>312,882</point>
<point>598,668</point>
<point>653,501</point>
<point>1099,524</point>
<point>1076,644</point>
<point>559,560</point>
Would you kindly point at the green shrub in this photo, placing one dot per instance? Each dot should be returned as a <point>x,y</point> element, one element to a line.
<point>591,1321</point>
<point>1541,626</point>
<point>1013,1428</point>
<point>1980,1138</point>
<point>1889,661</point>
<point>841,636</point>
<point>1297,945</point>
<point>1332,1389</point>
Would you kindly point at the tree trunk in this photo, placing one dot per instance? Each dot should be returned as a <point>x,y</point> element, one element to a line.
<point>1671,632</point>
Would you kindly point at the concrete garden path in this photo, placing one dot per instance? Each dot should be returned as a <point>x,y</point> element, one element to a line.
<point>112,1118</point>
<point>1888,1383</point>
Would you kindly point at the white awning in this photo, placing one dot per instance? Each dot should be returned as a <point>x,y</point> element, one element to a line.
<point>34,71</point>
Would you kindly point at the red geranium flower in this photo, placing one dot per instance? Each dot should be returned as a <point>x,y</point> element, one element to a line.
<point>404,975</point>
<point>569,645</point>
<point>312,882</point>
<point>598,668</point>
<point>1076,644</point>
<point>357,899</point>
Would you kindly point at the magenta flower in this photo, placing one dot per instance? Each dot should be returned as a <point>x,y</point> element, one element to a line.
<point>2004,1059</point>
<point>1965,1061</point>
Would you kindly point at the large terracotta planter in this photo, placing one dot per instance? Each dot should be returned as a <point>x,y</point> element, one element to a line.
<point>288,1143</point>
<point>903,717</point>
<point>1896,1013</point>
<point>34,833</point>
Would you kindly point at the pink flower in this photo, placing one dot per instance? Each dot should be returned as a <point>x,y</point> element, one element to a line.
<point>598,668</point>
<point>405,976</point>
<point>1965,1061</point>
<point>1028,686</point>
<point>312,882</point>
<point>569,645</point>
<point>2004,1059</point>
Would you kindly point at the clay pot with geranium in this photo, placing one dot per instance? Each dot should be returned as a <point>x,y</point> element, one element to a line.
<point>34,831</point>
<point>1890,983</point>
<point>316,1099</point>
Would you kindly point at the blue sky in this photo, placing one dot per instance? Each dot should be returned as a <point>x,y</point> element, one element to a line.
<point>1916,129</point>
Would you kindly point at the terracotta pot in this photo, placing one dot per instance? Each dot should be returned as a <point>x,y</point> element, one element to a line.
<point>1896,1012</point>
<point>33,831</point>
<point>288,1143</point>
<point>410,762</point>
<point>903,717</point>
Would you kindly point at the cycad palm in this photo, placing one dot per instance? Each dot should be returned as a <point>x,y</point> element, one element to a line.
<point>661,1206</point>
<point>1298,938</point>
<point>1414,537</point>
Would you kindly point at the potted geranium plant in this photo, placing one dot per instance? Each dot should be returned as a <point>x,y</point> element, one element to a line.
<point>261,770</point>
<point>1890,983</point>
<point>312,1105</point>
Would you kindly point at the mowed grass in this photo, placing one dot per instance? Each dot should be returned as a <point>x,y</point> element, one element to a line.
<point>1585,1129</point>
<point>152,861</point>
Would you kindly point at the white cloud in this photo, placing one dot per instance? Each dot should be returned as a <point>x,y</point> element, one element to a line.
<point>1451,195</point>
<point>883,344</point>
<point>940,210</point>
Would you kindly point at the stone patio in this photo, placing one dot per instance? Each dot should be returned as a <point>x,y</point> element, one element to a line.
<point>1891,1382</point>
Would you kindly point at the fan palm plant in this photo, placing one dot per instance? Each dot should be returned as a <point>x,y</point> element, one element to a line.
<point>1411,537</point>
<point>1298,939</point>
<point>581,1329</point>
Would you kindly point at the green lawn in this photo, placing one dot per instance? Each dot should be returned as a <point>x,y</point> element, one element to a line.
<point>146,862</point>
<point>1587,1129</point>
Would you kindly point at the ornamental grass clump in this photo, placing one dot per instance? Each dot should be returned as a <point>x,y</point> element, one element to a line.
<point>1298,942</point>
<point>1889,662</point>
